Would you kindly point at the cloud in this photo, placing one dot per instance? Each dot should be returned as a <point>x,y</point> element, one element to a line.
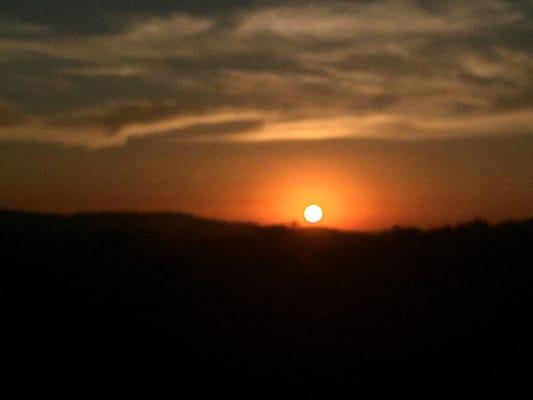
<point>21,28</point>
<point>10,115</point>
<point>106,16</point>
<point>114,116</point>
<point>391,17</point>
<point>300,70</point>
<point>145,38</point>
<point>113,126</point>
<point>205,131</point>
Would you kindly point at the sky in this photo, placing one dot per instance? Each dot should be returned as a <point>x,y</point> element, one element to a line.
<point>385,112</point>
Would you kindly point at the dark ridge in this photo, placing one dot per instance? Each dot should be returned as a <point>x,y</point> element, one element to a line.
<point>100,302</point>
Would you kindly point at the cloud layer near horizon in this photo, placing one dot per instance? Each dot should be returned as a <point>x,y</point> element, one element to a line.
<point>101,74</point>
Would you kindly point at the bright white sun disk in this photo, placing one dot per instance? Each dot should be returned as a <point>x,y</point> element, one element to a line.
<point>313,213</point>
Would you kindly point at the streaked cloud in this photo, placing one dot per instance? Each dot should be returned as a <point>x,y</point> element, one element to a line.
<point>10,115</point>
<point>390,17</point>
<point>396,69</point>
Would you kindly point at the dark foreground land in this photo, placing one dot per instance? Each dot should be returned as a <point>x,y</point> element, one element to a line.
<point>96,303</point>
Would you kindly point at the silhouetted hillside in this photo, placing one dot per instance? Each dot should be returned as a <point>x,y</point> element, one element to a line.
<point>99,301</point>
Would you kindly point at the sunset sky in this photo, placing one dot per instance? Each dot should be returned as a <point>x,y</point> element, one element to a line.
<point>383,112</point>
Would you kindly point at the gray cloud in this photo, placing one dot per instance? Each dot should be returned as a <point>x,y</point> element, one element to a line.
<point>10,115</point>
<point>223,128</point>
<point>304,70</point>
<point>114,116</point>
<point>203,131</point>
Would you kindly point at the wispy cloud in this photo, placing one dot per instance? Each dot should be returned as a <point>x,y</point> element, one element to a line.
<point>401,69</point>
<point>338,20</point>
<point>10,115</point>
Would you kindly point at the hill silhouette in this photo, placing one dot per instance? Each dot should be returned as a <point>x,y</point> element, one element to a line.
<point>99,300</point>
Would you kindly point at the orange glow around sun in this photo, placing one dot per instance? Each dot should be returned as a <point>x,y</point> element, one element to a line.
<point>337,204</point>
<point>281,199</point>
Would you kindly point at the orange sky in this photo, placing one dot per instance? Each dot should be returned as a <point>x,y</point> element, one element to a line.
<point>362,185</point>
<point>384,112</point>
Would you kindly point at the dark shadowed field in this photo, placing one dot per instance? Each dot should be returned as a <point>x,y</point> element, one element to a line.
<point>93,303</point>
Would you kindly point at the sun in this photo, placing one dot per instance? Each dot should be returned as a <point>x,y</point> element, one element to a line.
<point>313,213</point>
